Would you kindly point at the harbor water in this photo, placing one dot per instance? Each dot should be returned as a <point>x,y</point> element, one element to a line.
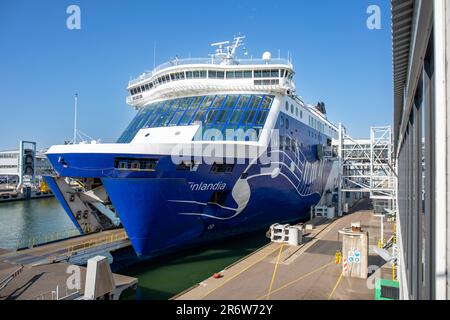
<point>159,278</point>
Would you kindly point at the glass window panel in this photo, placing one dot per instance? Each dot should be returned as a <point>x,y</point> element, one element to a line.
<point>255,101</point>
<point>196,74</point>
<point>230,74</point>
<point>261,117</point>
<point>267,102</point>
<point>210,116</point>
<point>243,101</point>
<point>165,113</point>
<point>189,74</point>
<point>218,102</point>
<point>203,74</point>
<point>239,74</point>
<point>266,73</point>
<point>275,73</point>
<point>181,109</point>
<point>248,74</point>
<point>231,100</point>
<point>236,116</point>
<point>212,74</point>
<point>220,74</point>
<point>223,116</point>
<point>207,102</point>
<point>258,73</point>
<point>248,117</point>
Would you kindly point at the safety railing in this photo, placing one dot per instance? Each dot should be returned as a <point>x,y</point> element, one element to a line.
<point>88,244</point>
<point>58,293</point>
<point>8,279</point>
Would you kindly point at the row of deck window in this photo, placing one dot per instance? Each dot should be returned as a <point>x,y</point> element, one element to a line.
<point>219,112</point>
<point>216,74</point>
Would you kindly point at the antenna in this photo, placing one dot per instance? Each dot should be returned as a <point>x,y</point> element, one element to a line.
<point>154,54</point>
<point>75,120</point>
<point>227,51</point>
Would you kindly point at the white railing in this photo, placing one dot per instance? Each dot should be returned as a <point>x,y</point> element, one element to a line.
<point>208,61</point>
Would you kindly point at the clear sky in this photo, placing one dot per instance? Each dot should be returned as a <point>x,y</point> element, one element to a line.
<point>337,59</point>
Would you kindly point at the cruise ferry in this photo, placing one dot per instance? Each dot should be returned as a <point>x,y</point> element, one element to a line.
<point>219,147</point>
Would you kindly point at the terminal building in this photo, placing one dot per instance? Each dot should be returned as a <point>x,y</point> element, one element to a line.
<point>421,56</point>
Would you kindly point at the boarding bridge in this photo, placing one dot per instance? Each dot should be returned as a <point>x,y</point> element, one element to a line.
<point>366,166</point>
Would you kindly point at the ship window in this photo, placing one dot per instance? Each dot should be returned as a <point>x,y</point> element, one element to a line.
<point>189,75</point>
<point>266,73</point>
<point>230,74</point>
<point>220,74</point>
<point>287,123</point>
<point>287,106</point>
<point>296,111</point>
<point>222,168</point>
<point>292,108</point>
<point>143,164</point>
<point>275,73</point>
<point>212,74</point>
<point>258,73</point>
<point>267,102</point>
<point>301,114</point>
<point>247,74</point>
<point>238,74</point>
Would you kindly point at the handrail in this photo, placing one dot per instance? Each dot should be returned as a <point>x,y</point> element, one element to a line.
<point>8,279</point>
<point>84,245</point>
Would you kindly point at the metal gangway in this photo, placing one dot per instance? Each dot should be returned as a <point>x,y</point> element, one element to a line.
<point>367,166</point>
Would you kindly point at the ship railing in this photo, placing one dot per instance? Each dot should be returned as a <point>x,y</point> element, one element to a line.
<point>208,61</point>
<point>89,244</point>
<point>59,293</point>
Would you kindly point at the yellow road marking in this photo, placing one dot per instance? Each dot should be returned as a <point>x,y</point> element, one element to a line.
<point>298,279</point>
<point>274,271</point>
<point>243,270</point>
<point>336,285</point>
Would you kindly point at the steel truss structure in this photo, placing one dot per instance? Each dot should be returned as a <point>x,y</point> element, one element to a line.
<point>367,164</point>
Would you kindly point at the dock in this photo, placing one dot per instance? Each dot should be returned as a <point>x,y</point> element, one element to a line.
<point>305,272</point>
<point>42,272</point>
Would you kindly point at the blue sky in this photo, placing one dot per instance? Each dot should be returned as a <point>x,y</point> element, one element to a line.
<point>337,59</point>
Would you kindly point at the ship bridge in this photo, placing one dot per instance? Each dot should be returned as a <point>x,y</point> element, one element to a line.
<point>221,72</point>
